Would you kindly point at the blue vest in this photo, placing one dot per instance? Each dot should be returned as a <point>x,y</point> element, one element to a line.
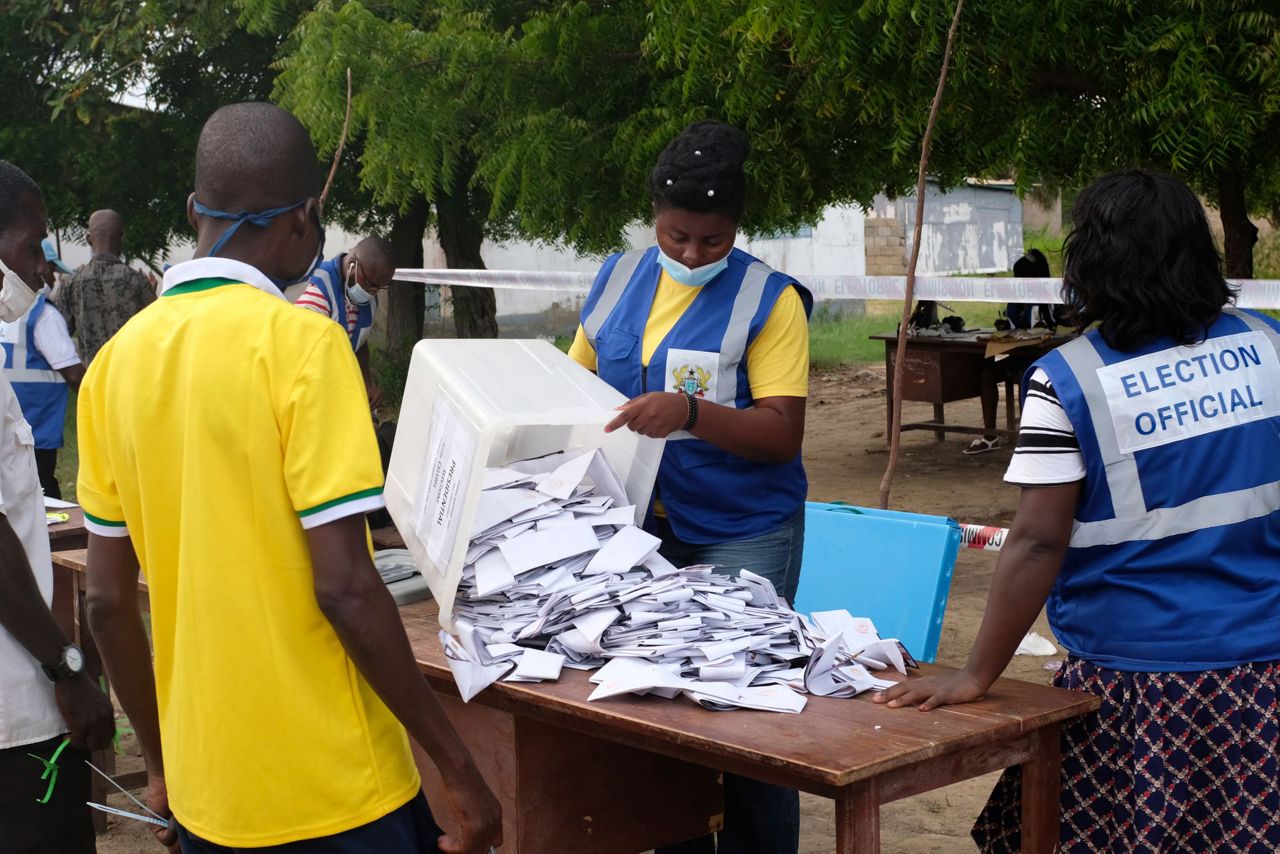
<point>710,495</point>
<point>41,391</point>
<point>1174,560</point>
<point>329,278</point>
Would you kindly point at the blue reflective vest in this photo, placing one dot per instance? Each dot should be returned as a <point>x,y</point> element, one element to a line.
<point>41,391</point>
<point>1174,560</point>
<point>328,276</point>
<point>710,495</point>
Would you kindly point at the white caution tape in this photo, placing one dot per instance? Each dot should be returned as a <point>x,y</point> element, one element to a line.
<point>1254,293</point>
<point>988,538</point>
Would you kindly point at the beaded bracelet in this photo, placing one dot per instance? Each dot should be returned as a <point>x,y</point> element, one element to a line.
<point>693,411</point>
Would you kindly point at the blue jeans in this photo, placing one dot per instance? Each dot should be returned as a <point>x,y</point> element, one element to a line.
<point>759,818</point>
<point>775,555</point>
<point>407,830</point>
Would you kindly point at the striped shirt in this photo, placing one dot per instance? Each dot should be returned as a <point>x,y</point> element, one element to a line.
<point>1048,452</point>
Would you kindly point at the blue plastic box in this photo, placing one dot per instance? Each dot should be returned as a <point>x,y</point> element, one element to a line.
<point>890,566</point>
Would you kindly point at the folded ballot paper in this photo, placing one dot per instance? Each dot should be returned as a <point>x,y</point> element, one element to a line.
<point>558,575</point>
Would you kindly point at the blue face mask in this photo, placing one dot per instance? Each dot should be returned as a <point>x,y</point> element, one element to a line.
<point>261,219</point>
<point>695,277</point>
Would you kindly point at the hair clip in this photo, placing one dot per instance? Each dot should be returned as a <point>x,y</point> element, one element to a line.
<point>670,182</point>
<point>697,152</point>
<point>711,192</point>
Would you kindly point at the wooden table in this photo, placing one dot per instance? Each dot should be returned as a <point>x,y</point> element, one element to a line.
<point>945,369</point>
<point>857,752</point>
<point>630,773</point>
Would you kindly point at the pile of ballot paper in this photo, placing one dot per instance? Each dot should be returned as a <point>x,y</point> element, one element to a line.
<point>558,575</point>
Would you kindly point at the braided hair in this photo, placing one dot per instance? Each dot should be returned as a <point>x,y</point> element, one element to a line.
<point>701,171</point>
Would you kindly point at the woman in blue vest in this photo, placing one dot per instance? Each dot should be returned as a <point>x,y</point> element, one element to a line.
<point>1149,457</point>
<point>712,348</point>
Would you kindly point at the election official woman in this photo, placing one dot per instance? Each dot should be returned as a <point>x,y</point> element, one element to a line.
<point>1149,461</point>
<point>712,348</point>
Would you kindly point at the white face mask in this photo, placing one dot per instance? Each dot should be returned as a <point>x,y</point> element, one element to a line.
<point>16,295</point>
<point>358,295</point>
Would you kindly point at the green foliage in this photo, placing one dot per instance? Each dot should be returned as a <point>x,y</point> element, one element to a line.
<point>1050,91</point>
<point>390,371</point>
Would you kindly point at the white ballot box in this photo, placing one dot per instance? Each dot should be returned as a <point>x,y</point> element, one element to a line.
<point>471,404</point>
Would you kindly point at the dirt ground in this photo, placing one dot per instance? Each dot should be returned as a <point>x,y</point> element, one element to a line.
<point>845,454</point>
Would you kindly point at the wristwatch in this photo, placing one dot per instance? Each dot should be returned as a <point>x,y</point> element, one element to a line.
<point>70,664</point>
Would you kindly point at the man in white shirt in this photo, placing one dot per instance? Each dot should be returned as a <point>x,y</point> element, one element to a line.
<point>46,698</point>
<point>41,362</point>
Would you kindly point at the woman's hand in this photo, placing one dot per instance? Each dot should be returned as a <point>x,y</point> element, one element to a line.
<point>930,692</point>
<point>657,414</point>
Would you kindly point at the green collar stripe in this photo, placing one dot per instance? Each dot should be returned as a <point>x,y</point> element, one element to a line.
<point>355,496</point>
<point>104,522</point>
<point>196,285</point>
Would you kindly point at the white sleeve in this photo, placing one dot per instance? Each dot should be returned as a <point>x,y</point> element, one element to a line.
<point>1048,452</point>
<point>54,341</point>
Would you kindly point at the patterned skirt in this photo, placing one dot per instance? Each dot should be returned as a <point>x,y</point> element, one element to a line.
<point>1171,762</point>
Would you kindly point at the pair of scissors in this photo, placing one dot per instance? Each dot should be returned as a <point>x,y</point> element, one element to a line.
<point>151,816</point>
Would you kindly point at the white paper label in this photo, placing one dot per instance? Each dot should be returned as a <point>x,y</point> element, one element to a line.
<point>446,472</point>
<point>1190,391</point>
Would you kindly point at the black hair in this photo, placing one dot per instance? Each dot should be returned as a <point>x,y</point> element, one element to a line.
<point>254,156</point>
<point>701,170</point>
<point>15,187</point>
<point>376,249</point>
<point>1140,261</point>
<point>1033,265</point>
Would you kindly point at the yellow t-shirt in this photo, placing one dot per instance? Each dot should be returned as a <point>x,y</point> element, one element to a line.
<point>213,428</point>
<point>777,360</point>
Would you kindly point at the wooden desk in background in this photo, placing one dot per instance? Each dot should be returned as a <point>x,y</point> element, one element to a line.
<point>631,773</point>
<point>945,369</point>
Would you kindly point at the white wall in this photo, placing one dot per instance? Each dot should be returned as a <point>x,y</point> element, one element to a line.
<point>973,228</point>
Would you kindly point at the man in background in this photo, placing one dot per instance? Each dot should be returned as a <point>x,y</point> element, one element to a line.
<point>51,712</point>
<point>40,362</point>
<point>345,288</point>
<point>101,296</point>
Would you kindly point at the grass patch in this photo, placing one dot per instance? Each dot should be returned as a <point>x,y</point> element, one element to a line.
<point>846,342</point>
<point>69,454</point>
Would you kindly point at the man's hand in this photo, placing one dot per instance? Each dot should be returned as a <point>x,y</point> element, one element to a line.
<point>657,414</point>
<point>87,711</point>
<point>375,395</point>
<point>156,797</point>
<point>477,810</point>
<point>930,692</point>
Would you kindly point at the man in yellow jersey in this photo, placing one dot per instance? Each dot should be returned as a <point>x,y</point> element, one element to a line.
<point>225,446</point>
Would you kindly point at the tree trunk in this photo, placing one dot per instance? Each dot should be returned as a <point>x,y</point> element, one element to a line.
<point>1238,233</point>
<point>406,301</point>
<point>461,232</point>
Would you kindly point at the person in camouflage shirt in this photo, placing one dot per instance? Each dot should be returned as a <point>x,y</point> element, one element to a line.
<point>101,296</point>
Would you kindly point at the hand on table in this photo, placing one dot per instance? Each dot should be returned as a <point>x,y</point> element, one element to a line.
<point>478,812</point>
<point>156,797</point>
<point>657,414</point>
<point>930,692</point>
<point>87,711</point>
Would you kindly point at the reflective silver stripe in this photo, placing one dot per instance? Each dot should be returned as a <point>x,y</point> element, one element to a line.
<point>733,347</point>
<point>1209,511</point>
<point>613,288</point>
<point>1256,324</point>
<point>31,375</point>
<point>1121,469</point>
<point>24,374</point>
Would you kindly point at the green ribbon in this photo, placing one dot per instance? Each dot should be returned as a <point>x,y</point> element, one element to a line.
<point>50,769</point>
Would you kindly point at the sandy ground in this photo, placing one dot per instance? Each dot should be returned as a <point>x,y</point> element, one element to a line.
<point>845,454</point>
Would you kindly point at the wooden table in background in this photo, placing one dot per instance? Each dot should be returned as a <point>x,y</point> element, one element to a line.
<point>944,369</point>
<point>631,773</point>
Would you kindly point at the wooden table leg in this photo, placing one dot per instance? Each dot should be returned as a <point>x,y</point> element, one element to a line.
<point>1042,792</point>
<point>1010,417</point>
<point>939,416</point>
<point>104,760</point>
<point>858,819</point>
